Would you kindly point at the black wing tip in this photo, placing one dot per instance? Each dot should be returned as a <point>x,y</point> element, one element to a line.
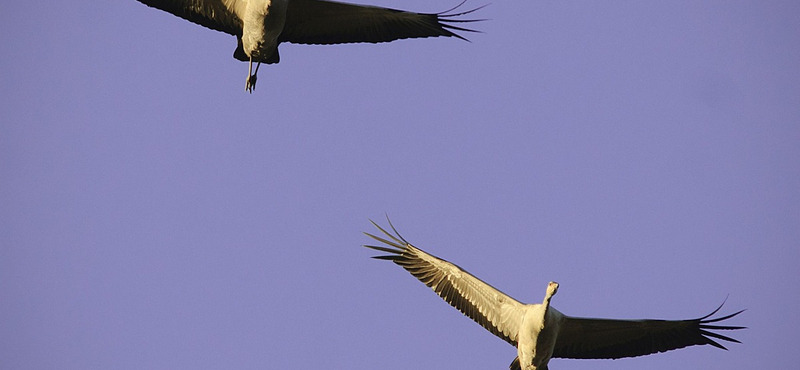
<point>446,20</point>
<point>703,322</point>
<point>397,245</point>
<point>386,258</point>
<point>398,239</point>
<point>383,249</point>
<point>712,342</point>
<point>449,12</point>
<point>706,319</point>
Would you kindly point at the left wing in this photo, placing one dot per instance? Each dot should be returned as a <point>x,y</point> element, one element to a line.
<point>602,338</point>
<point>330,22</point>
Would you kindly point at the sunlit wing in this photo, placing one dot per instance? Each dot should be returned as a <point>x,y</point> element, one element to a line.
<point>328,22</point>
<point>601,338</point>
<point>215,14</point>
<point>489,307</point>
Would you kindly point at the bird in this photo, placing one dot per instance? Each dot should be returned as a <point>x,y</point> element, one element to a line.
<point>261,25</point>
<point>539,331</point>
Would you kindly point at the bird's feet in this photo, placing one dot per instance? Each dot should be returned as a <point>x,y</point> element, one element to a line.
<point>250,85</point>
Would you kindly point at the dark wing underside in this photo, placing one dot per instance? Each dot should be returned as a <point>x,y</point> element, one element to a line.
<point>328,22</point>
<point>207,13</point>
<point>600,338</point>
<point>489,307</point>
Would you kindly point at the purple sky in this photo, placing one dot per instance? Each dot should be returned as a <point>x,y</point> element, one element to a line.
<point>645,155</point>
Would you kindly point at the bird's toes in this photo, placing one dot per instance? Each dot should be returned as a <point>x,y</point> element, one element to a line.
<point>250,85</point>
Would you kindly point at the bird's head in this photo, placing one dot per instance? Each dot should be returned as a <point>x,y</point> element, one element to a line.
<point>552,289</point>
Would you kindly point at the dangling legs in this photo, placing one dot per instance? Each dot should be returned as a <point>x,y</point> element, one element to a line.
<point>250,85</point>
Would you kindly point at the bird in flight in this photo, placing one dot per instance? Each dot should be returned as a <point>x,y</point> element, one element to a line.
<point>539,331</point>
<point>261,25</point>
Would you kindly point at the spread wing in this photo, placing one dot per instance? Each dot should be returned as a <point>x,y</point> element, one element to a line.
<point>489,307</point>
<point>601,338</point>
<point>217,15</point>
<point>329,22</point>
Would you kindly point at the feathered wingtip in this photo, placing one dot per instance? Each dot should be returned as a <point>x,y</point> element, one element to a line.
<point>398,243</point>
<point>446,19</point>
<point>704,327</point>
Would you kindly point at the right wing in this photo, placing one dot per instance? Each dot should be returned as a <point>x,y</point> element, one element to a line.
<point>489,307</point>
<point>219,15</point>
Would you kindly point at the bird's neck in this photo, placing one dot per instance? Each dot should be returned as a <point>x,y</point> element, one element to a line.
<point>546,303</point>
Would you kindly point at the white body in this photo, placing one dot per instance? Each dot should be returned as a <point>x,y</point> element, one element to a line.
<point>263,22</point>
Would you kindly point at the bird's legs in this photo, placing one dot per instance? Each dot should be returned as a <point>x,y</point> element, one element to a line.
<point>250,85</point>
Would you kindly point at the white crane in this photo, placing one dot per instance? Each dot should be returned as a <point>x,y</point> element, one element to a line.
<point>261,25</point>
<point>539,331</point>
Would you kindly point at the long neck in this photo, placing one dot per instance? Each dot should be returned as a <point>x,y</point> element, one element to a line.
<point>552,288</point>
<point>545,306</point>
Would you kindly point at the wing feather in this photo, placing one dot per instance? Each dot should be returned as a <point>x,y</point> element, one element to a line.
<point>602,338</point>
<point>495,311</point>
<point>215,14</point>
<point>330,22</point>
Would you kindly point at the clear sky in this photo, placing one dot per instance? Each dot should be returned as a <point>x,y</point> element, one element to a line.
<point>645,155</point>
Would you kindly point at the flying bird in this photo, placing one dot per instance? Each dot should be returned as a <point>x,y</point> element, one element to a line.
<point>261,25</point>
<point>539,331</point>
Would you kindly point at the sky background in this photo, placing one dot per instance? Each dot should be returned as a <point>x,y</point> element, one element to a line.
<point>153,215</point>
